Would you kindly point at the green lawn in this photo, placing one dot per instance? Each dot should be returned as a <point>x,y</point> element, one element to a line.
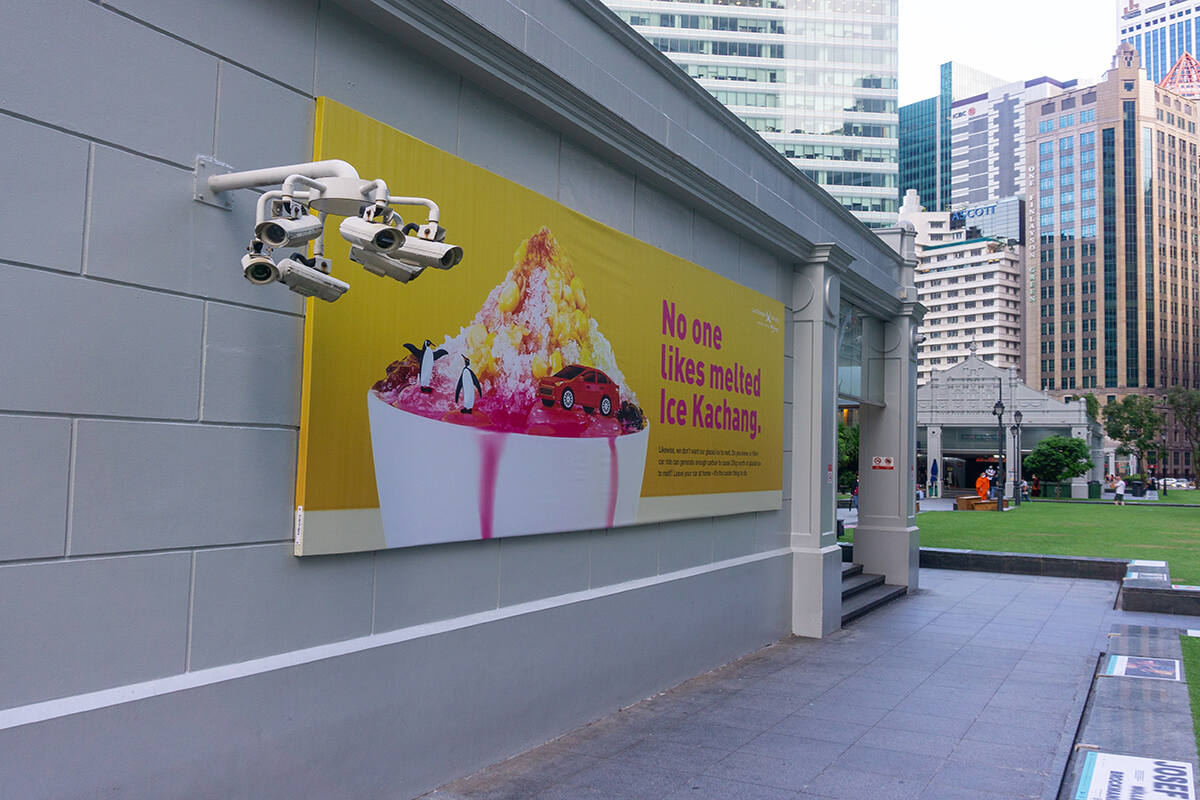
<point>1191,670</point>
<point>1106,531</point>
<point>1188,496</point>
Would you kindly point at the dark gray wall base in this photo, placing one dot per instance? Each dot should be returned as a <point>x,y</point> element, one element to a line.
<point>1108,569</point>
<point>1160,601</point>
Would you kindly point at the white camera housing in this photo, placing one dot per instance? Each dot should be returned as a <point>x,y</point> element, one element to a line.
<point>310,279</point>
<point>285,232</point>
<point>373,237</point>
<point>385,266</point>
<point>257,266</point>
<point>425,253</point>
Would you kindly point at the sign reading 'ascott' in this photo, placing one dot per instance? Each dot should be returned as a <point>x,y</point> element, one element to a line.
<point>565,376</point>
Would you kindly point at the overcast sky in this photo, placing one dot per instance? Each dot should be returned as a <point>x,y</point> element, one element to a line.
<point>1012,39</point>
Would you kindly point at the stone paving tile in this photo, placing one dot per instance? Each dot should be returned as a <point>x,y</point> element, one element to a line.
<point>926,744</point>
<point>966,688</point>
<point>793,773</point>
<point>832,730</point>
<point>707,787</point>
<point>849,784</point>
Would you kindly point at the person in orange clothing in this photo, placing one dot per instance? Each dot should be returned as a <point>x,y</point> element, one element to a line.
<point>982,486</point>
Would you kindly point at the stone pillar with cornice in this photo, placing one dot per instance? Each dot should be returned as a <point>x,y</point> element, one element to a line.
<point>886,537</point>
<point>816,556</point>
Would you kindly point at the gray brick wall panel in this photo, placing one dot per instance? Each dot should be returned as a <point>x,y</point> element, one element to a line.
<point>259,124</point>
<point>43,170</point>
<point>80,626</point>
<point>423,584</point>
<point>684,543</point>
<point>35,455</point>
<point>115,81</point>
<point>274,37</point>
<point>158,236</point>
<point>624,554</point>
<point>85,347</point>
<point>252,364</point>
<point>417,97</point>
<point>533,567</point>
<point>256,601</point>
<point>148,486</point>
<point>500,138</point>
<point>595,188</point>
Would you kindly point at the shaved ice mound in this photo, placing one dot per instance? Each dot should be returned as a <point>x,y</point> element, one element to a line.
<point>519,463</point>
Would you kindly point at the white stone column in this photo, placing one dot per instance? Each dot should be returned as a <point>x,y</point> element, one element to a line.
<point>816,555</point>
<point>886,539</point>
<point>933,443</point>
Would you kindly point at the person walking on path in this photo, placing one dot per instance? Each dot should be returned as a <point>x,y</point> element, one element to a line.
<point>1119,489</point>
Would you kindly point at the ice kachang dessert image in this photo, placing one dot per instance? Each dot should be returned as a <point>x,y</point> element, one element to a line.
<point>521,423</point>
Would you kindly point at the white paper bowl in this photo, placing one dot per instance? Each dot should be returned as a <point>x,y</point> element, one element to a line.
<point>433,481</point>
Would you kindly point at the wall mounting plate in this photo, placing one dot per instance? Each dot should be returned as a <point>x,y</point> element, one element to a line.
<point>207,166</point>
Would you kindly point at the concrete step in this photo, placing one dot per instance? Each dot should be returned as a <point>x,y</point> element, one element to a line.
<point>853,584</point>
<point>869,600</point>
<point>849,570</point>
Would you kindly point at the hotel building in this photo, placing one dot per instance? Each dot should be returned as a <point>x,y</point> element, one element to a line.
<point>970,284</point>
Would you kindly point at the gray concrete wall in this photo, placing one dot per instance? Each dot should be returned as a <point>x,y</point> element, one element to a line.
<point>159,638</point>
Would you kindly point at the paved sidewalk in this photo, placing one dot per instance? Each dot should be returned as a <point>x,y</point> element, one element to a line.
<point>971,687</point>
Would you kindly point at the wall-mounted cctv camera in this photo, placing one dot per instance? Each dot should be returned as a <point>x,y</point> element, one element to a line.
<point>284,232</point>
<point>374,237</point>
<point>921,338</point>
<point>257,266</point>
<point>423,253</point>
<point>310,277</point>
<point>385,266</point>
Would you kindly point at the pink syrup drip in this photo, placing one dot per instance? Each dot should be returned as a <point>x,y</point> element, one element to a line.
<point>614,473</point>
<point>490,447</point>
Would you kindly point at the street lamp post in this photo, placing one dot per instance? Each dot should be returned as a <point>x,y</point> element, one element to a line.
<point>1162,465</point>
<point>998,410</point>
<point>1016,432</point>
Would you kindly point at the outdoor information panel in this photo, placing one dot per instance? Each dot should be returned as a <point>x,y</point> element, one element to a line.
<point>564,376</point>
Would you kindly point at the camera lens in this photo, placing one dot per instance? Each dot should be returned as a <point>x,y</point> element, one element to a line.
<point>260,273</point>
<point>274,234</point>
<point>385,240</point>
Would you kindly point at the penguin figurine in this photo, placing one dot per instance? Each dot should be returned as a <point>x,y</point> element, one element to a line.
<point>468,386</point>
<point>426,355</point>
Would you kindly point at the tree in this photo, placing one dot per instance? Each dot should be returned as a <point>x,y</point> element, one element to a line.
<point>1093,406</point>
<point>1185,405</point>
<point>1058,458</point>
<point>847,454</point>
<point>1134,423</point>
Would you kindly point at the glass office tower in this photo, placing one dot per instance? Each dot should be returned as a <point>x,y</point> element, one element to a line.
<point>816,78</point>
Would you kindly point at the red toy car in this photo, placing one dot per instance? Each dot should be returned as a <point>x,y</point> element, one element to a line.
<point>579,385</point>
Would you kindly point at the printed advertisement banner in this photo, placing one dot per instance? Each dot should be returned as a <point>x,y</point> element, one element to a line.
<point>564,376</point>
<point>1108,776</point>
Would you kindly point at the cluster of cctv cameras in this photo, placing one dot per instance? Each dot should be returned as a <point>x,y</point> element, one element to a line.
<point>379,240</point>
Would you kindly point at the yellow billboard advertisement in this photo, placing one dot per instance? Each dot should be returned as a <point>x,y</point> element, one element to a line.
<point>563,376</point>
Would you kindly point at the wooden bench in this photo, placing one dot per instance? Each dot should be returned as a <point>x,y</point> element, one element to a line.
<point>984,505</point>
<point>966,502</point>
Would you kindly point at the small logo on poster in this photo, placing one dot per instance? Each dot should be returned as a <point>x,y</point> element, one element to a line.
<point>883,462</point>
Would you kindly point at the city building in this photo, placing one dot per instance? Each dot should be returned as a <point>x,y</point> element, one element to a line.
<point>926,130</point>
<point>987,140</point>
<point>1160,31</point>
<point>957,430</point>
<point>816,78</point>
<point>160,637</point>
<point>1111,219</point>
<point>970,285</point>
